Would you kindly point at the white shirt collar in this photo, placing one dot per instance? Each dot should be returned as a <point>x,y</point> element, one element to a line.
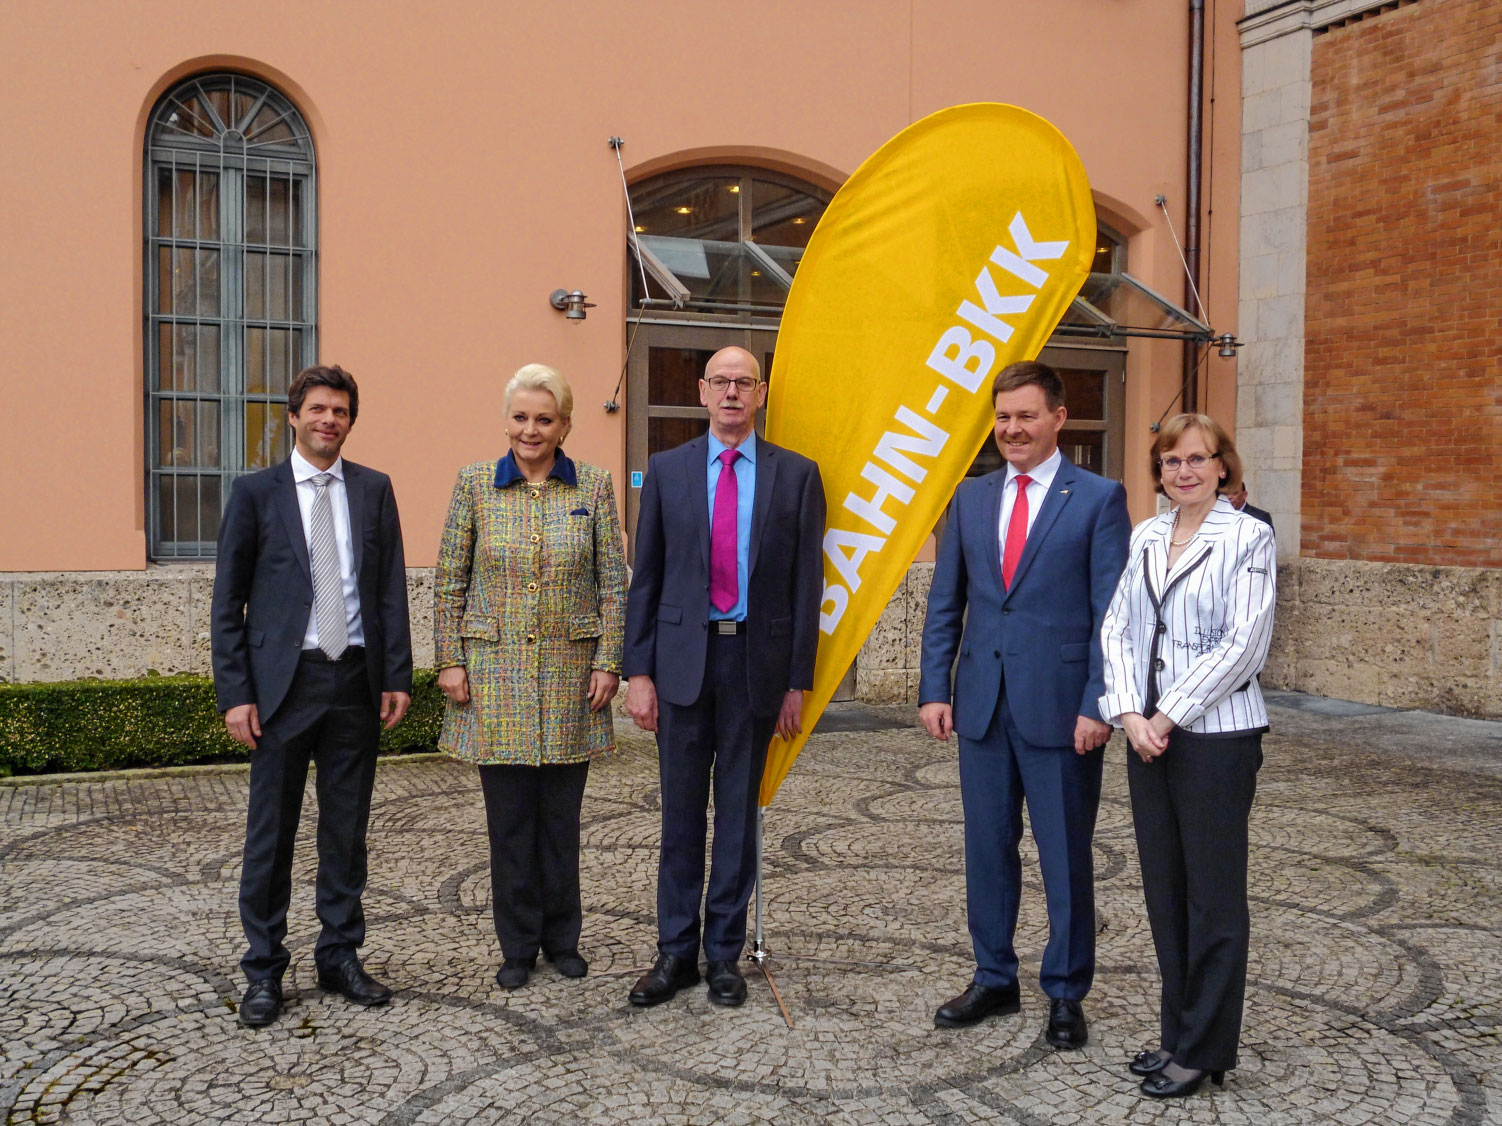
<point>1042,474</point>
<point>304,470</point>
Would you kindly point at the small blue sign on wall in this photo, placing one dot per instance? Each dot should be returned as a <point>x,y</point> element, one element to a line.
<point>636,479</point>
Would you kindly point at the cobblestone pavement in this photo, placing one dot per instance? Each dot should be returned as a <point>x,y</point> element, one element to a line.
<point>1375,992</point>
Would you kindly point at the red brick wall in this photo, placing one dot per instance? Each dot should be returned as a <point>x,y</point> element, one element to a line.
<point>1403,333</point>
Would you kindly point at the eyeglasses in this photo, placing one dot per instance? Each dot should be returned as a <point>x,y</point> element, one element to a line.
<point>1194,461</point>
<point>745,384</point>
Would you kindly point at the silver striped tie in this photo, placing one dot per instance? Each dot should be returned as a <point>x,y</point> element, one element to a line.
<point>328,579</point>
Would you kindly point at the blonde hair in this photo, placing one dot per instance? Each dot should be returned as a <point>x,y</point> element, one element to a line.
<point>540,377</point>
<point>1225,449</point>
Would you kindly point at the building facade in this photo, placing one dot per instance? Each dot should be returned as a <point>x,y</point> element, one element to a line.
<point>1370,394</point>
<point>402,189</point>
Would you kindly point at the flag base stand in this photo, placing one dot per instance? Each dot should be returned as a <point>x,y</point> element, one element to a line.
<point>760,956</point>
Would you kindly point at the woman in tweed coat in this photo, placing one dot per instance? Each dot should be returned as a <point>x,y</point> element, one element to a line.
<point>528,608</point>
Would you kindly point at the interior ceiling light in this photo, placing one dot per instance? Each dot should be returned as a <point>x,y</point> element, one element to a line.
<point>734,189</point>
<point>683,210</point>
<point>798,222</point>
<point>640,229</point>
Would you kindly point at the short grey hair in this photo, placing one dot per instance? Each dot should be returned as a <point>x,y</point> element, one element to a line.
<point>540,377</point>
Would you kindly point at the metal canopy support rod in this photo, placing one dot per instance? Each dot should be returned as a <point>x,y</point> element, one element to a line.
<point>1192,193</point>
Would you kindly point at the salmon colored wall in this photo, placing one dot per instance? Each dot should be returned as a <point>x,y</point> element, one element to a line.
<point>464,173</point>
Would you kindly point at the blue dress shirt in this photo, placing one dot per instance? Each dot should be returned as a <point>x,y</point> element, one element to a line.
<point>745,483</point>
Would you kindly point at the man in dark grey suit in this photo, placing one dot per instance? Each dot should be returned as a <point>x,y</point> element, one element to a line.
<point>722,624</point>
<point>312,652</point>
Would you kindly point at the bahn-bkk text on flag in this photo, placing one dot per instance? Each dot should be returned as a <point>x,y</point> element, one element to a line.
<point>950,253</point>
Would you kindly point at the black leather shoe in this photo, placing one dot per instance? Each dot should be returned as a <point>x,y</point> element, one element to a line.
<point>568,962</point>
<point>1160,1086</point>
<point>670,973</point>
<point>262,1003</point>
<point>977,1003</point>
<point>514,972</point>
<point>1066,1024</point>
<point>350,980</point>
<point>1149,1062</point>
<point>727,986</point>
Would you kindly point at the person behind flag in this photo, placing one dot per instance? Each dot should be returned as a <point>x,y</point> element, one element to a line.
<point>1033,553</point>
<point>722,624</point>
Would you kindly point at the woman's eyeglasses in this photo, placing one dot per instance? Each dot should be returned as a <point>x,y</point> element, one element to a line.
<point>1194,461</point>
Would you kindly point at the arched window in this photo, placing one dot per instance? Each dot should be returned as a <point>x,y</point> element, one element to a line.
<point>231,271</point>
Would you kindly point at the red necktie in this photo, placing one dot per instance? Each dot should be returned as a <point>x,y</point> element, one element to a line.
<point>1016,532</point>
<point>724,585</point>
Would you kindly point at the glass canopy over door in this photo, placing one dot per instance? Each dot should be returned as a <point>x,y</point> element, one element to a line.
<point>725,244</point>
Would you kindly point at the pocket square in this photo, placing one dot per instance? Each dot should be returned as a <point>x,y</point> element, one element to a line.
<point>579,512</point>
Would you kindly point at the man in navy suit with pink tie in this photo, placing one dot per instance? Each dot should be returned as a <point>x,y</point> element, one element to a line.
<point>1033,553</point>
<point>722,625</point>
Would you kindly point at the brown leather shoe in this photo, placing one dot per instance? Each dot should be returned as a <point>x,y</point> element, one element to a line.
<point>977,1003</point>
<point>670,973</point>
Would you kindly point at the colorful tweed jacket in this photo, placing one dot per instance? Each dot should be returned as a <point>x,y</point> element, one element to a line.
<point>529,596</point>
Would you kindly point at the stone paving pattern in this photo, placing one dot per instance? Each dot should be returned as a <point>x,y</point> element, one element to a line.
<point>1375,992</point>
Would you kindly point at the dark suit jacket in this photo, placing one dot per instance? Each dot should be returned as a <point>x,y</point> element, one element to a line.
<point>1041,637</point>
<point>263,587</point>
<point>667,611</point>
<point>1260,513</point>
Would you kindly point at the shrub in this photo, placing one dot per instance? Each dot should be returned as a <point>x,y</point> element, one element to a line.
<point>81,725</point>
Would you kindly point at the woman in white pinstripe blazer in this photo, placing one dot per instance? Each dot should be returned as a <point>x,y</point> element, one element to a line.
<point>1184,638</point>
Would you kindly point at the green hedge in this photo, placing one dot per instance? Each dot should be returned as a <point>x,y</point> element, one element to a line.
<point>80,725</point>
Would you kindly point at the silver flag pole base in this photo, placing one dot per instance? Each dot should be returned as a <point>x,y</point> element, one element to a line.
<point>759,955</point>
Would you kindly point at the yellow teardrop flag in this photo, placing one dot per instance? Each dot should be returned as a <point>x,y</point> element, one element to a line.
<point>950,253</point>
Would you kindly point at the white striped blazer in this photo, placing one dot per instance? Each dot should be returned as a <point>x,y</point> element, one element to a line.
<point>1203,627</point>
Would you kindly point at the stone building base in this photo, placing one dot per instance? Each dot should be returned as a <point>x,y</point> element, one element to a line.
<point>1381,633</point>
<point>1394,634</point>
<point>66,625</point>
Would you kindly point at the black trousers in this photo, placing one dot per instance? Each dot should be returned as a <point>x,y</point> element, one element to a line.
<point>532,817</point>
<point>1190,808</point>
<point>328,719</point>
<point>715,740</point>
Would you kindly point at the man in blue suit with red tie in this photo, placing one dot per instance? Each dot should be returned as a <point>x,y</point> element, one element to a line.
<point>1033,553</point>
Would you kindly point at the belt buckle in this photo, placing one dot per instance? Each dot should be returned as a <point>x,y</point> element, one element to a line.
<point>726,626</point>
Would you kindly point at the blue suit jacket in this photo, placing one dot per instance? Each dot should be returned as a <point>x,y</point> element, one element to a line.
<point>1041,638</point>
<point>667,610</point>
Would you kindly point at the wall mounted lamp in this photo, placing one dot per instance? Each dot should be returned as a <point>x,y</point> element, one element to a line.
<point>1228,345</point>
<point>571,303</point>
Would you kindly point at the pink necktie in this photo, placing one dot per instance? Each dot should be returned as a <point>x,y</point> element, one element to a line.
<point>724,585</point>
<point>1016,531</point>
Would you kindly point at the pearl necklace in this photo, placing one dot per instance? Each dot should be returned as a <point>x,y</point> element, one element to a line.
<point>1185,540</point>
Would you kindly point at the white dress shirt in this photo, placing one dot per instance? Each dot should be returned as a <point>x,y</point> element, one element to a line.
<point>1209,635</point>
<point>1037,490</point>
<point>303,473</point>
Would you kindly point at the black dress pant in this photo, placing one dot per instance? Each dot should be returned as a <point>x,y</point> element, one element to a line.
<point>715,739</point>
<point>1190,808</point>
<point>328,719</point>
<point>532,817</point>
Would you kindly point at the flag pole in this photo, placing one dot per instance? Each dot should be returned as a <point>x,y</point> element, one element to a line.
<point>758,947</point>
